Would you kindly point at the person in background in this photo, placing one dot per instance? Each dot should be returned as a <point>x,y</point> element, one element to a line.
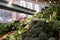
<point>23,22</point>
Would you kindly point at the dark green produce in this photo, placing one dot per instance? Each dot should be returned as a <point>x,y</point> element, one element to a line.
<point>7,27</point>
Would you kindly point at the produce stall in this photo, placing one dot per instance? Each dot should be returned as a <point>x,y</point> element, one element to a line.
<point>44,25</point>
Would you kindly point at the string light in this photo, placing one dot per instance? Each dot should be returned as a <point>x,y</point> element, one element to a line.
<point>54,2</point>
<point>36,0</point>
<point>10,2</point>
<point>49,1</point>
<point>45,3</point>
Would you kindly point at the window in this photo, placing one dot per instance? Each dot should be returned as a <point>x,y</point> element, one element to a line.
<point>36,7</point>
<point>22,15</point>
<point>15,2</point>
<point>30,6</point>
<point>42,6</point>
<point>22,3</point>
<point>5,15</point>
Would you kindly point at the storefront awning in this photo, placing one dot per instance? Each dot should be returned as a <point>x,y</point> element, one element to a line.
<point>16,8</point>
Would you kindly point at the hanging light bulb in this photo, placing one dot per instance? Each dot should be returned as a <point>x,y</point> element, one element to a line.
<point>10,2</point>
<point>54,2</point>
<point>45,3</point>
<point>36,0</point>
<point>49,1</point>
